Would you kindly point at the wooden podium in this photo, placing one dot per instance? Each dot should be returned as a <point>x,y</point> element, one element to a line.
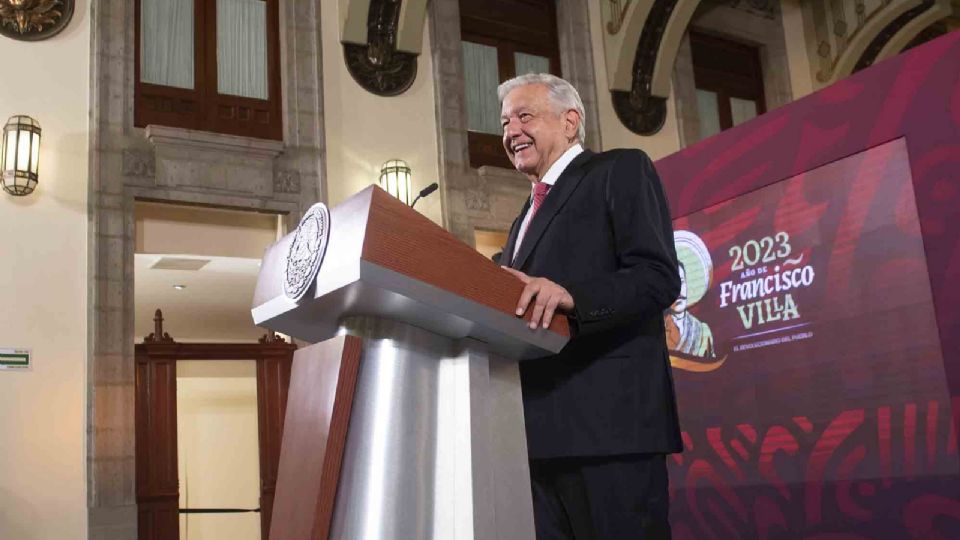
<point>404,419</point>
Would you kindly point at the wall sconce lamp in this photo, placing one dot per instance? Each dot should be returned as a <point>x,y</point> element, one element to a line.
<point>20,155</point>
<point>395,179</point>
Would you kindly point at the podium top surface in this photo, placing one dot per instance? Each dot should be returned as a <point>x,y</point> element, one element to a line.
<point>384,259</point>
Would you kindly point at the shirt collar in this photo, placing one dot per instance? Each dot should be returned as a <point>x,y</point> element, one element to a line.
<point>555,170</point>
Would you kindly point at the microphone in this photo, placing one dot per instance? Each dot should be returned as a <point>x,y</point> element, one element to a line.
<point>424,192</point>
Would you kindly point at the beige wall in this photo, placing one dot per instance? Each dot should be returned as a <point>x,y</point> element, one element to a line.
<point>217,448</point>
<point>364,130</point>
<point>225,245</point>
<point>214,306</point>
<point>43,292</point>
<point>170,228</point>
<point>612,131</point>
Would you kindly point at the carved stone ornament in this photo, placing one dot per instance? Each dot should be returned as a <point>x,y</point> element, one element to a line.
<point>306,251</point>
<point>641,114</point>
<point>139,163</point>
<point>618,8</point>
<point>286,182</point>
<point>639,110</point>
<point>377,66</point>
<point>477,199</point>
<point>34,20</point>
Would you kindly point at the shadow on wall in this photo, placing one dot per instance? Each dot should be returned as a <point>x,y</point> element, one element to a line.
<point>60,180</point>
<point>16,514</point>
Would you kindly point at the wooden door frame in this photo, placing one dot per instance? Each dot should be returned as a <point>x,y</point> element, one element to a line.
<point>157,480</point>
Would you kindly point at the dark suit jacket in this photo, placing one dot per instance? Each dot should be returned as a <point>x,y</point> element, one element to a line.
<point>604,233</point>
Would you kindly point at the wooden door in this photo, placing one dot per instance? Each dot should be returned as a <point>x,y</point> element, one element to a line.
<point>158,494</point>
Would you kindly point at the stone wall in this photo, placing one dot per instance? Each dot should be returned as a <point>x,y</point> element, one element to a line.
<point>489,198</point>
<point>176,165</point>
<point>740,22</point>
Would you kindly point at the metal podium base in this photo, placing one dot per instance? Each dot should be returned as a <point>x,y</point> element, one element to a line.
<point>436,447</point>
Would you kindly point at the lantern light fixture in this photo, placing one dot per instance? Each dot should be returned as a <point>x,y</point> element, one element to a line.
<point>395,179</point>
<point>20,155</point>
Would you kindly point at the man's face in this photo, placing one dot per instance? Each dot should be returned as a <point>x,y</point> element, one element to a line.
<point>535,134</point>
<point>680,305</point>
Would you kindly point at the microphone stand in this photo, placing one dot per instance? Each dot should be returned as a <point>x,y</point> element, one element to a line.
<point>424,192</point>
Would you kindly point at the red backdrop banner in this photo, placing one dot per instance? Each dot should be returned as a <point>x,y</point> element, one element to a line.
<point>815,346</point>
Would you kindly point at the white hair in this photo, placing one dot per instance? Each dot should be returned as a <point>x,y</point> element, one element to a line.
<point>563,95</point>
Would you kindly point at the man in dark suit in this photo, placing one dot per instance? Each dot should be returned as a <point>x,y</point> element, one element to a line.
<point>595,243</point>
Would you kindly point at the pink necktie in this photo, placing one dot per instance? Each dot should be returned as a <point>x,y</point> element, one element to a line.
<point>540,190</point>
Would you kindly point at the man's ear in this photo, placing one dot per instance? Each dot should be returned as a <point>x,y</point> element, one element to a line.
<point>571,121</point>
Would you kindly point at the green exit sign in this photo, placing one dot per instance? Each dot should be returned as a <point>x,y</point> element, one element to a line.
<point>14,359</point>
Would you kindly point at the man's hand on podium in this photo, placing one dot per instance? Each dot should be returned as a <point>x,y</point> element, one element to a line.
<point>549,298</point>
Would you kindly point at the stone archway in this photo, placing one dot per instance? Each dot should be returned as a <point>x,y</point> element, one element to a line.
<point>845,45</point>
<point>641,42</point>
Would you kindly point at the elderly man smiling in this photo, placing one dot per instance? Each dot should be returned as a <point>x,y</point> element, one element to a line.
<point>594,243</point>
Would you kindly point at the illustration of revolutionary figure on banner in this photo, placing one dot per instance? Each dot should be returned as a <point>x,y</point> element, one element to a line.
<point>689,339</point>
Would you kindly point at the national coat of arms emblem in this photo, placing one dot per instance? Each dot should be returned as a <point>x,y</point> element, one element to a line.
<point>306,251</point>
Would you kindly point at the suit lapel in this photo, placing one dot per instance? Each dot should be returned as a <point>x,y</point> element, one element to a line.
<point>555,200</point>
<point>507,254</point>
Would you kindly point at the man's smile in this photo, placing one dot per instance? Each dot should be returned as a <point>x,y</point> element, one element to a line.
<point>519,147</point>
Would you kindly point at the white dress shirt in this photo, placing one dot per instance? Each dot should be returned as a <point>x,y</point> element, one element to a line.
<point>553,173</point>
